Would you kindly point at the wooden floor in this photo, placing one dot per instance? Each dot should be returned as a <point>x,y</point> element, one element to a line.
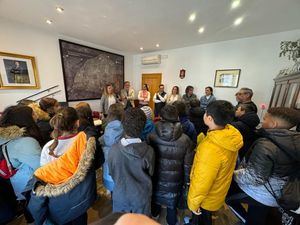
<point>102,207</point>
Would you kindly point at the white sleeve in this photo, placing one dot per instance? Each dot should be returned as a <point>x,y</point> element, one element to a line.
<point>45,154</point>
<point>139,96</point>
<point>154,98</point>
<point>148,97</point>
<point>162,99</point>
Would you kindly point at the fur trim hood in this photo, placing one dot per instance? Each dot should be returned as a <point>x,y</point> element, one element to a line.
<point>41,115</point>
<point>11,132</point>
<point>51,190</point>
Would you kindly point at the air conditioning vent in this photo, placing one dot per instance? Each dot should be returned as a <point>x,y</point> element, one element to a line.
<point>154,59</point>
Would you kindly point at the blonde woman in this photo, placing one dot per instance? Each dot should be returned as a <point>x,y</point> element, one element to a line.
<point>174,96</point>
<point>108,98</point>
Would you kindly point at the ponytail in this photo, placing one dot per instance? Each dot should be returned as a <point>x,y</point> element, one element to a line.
<point>64,120</point>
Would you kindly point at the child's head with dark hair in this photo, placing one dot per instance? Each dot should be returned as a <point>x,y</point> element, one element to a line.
<point>181,108</point>
<point>115,112</point>
<point>195,103</point>
<point>189,90</point>
<point>49,105</point>
<point>21,116</point>
<point>242,109</point>
<point>65,121</point>
<point>169,113</point>
<point>85,114</point>
<point>134,122</point>
<point>218,114</point>
<point>281,118</point>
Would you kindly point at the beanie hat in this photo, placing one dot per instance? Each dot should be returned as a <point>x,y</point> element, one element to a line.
<point>169,113</point>
<point>148,112</point>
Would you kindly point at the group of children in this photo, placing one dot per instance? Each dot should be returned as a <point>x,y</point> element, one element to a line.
<point>185,160</point>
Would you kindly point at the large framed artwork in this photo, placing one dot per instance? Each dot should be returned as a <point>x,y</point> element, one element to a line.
<point>87,70</point>
<point>18,71</point>
<point>227,78</point>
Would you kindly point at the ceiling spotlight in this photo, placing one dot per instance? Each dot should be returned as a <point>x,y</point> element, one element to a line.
<point>192,17</point>
<point>235,4</point>
<point>49,21</point>
<point>59,9</point>
<point>201,30</point>
<point>238,21</point>
<point>141,48</point>
<point>157,45</point>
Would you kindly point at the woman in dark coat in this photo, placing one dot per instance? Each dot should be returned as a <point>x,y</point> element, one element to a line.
<point>174,156</point>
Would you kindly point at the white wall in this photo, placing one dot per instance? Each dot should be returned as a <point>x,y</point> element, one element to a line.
<point>257,57</point>
<point>44,46</point>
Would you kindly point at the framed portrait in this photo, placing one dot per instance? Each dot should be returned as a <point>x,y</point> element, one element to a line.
<point>227,78</point>
<point>18,72</point>
<point>87,70</point>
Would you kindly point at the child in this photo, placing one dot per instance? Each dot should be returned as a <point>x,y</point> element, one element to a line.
<point>65,124</point>
<point>174,157</point>
<point>149,126</point>
<point>187,126</point>
<point>214,161</point>
<point>246,122</point>
<point>112,134</point>
<point>196,116</point>
<point>131,165</point>
<point>274,157</point>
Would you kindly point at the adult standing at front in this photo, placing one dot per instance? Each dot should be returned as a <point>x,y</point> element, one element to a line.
<point>244,96</point>
<point>127,95</point>
<point>207,98</point>
<point>174,96</point>
<point>144,96</point>
<point>189,95</point>
<point>159,99</point>
<point>108,98</point>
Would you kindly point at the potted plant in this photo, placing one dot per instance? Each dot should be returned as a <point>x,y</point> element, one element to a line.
<point>291,49</point>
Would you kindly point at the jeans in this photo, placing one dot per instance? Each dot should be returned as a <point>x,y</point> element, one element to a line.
<point>171,213</point>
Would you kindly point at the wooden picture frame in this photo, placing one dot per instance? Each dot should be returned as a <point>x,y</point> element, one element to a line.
<point>87,70</point>
<point>18,71</point>
<point>228,78</point>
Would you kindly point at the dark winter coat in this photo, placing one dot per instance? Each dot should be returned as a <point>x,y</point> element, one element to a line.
<point>64,202</point>
<point>174,157</point>
<point>273,157</point>
<point>196,117</point>
<point>131,168</point>
<point>188,128</point>
<point>246,124</point>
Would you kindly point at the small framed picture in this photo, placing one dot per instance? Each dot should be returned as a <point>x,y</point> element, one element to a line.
<point>18,72</point>
<point>227,78</point>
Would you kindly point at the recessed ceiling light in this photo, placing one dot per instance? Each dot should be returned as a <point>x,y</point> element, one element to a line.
<point>141,48</point>
<point>201,30</point>
<point>238,21</point>
<point>157,45</point>
<point>49,21</point>
<point>59,9</point>
<point>235,4</point>
<point>192,17</point>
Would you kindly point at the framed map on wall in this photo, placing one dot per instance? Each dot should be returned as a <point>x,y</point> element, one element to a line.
<point>87,70</point>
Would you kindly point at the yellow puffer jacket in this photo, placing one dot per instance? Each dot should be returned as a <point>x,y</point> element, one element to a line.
<point>213,167</point>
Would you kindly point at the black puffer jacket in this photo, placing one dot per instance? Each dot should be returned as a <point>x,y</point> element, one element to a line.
<point>173,160</point>
<point>196,117</point>
<point>275,154</point>
<point>246,125</point>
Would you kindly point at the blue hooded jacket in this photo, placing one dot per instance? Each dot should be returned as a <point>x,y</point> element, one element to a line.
<point>149,128</point>
<point>112,134</point>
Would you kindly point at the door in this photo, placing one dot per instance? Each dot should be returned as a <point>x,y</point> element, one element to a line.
<point>153,80</point>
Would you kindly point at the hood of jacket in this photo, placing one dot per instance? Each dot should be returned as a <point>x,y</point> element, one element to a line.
<point>41,114</point>
<point>251,119</point>
<point>132,152</point>
<point>65,173</point>
<point>11,132</point>
<point>229,138</point>
<point>113,132</point>
<point>285,139</point>
<point>168,131</point>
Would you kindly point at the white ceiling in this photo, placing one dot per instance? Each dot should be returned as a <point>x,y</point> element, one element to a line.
<point>126,25</point>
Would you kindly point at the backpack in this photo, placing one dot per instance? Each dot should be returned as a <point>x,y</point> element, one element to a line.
<point>6,168</point>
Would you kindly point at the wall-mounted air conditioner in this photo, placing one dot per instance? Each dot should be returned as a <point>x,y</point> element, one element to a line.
<point>154,59</point>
